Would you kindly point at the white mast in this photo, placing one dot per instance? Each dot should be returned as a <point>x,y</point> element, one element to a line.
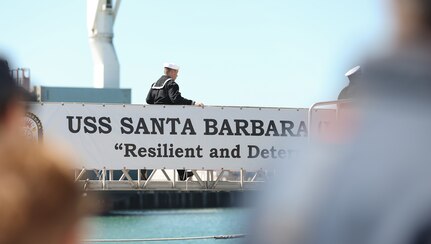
<point>101,16</point>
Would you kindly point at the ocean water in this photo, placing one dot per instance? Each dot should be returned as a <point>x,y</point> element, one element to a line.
<point>170,223</point>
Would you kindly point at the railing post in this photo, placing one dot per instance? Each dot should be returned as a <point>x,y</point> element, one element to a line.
<point>208,179</point>
<point>104,178</point>
<point>139,178</point>
<point>174,179</point>
<point>111,175</point>
<point>241,175</point>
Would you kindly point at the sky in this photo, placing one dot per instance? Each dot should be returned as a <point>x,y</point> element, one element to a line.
<point>272,53</point>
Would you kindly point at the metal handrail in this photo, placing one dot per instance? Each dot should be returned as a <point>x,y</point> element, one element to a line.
<point>327,103</point>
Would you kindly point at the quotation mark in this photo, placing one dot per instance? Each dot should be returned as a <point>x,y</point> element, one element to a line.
<point>118,146</point>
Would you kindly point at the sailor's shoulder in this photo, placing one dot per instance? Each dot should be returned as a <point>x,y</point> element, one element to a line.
<point>171,83</point>
<point>162,82</point>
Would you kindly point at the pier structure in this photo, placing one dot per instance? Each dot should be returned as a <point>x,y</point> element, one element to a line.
<point>129,190</point>
<point>168,180</point>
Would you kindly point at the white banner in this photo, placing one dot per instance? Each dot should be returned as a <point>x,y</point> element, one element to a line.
<point>172,137</point>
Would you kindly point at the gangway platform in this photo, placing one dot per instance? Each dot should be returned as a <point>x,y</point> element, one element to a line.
<point>167,180</point>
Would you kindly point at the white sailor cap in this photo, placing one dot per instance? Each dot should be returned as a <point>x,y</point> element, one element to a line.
<point>353,71</point>
<point>171,66</point>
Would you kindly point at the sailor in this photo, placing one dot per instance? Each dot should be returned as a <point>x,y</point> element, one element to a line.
<point>353,75</point>
<point>166,91</point>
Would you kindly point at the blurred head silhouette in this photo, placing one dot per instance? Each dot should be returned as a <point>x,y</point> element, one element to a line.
<point>12,108</point>
<point>413,19</point>
<point>40,203</point>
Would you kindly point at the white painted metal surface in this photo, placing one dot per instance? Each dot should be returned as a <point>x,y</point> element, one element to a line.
<point>101,15</point>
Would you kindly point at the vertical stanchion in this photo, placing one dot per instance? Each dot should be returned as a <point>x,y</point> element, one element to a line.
<point>104,178</point>
<point>208,179</point>
<point>241,175</point>
<point>111,175</point>
<point>174,179</point>
<point>186,180</point>
<point>139,178</point>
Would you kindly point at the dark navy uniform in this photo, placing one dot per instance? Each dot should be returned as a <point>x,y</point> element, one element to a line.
<point>346,93</point>
<point>354,76</point>
<point>166,91</point>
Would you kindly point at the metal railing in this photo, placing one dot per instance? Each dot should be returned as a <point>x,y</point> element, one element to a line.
<point>313,108</point>
<point>167,179</point>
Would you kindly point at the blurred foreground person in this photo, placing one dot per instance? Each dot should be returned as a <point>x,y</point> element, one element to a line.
<point>12,107</point>
<point>375,189</point>
<point>40,203</point>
